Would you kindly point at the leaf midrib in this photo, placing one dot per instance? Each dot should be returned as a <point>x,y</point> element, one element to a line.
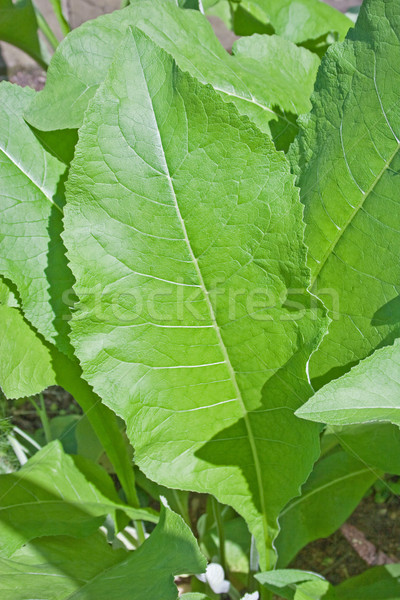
<point>211,310</point>
<point>353,214</point>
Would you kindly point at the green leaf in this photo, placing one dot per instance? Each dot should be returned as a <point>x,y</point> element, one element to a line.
<point>53,568</point>
<point>149,571</point>
<point>194,596</point>
<point>18,26</point>
<point>62,568</point>
<point>237,545</point>
<point>284,75</point>
<point>25,362</point>
<point>348,174</point>
<point>377,444</point>
<point>298,21</point>
<point>202,373</point>
<point>379,583</point>
<point>369,392</point>
<point>288,582</point>
<point>31,251</point>
<point>50,496</point>
<point>263,92</point>
<point>334,489</point>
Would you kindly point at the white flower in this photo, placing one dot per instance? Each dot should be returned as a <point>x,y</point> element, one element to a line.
<point>215,577</point>
<point>253,596</point>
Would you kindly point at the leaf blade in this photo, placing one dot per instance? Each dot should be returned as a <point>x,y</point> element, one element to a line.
<point>178,360</point>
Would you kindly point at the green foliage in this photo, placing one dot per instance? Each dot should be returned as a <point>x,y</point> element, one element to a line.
<point>333,490</point>
<point>347,158</point>
<point>182,295</point>
<point>369,392</point>
<point>60,569</point>
<point>267,98</point>
<point>154,262</point>
<point>19,26</point>
<point>57,497</point>
<point>299,22</point>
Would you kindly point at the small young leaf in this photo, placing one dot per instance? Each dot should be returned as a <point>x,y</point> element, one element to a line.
<point>299,21</point>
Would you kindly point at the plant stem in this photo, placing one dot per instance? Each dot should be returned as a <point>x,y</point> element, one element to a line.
<point>42,414</point>
<point>221,532</point>
<point>64,25</point>
<point>45,420</point>
<point>46,29</point>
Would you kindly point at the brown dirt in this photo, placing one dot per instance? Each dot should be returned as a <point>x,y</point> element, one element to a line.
<point>336,559</point>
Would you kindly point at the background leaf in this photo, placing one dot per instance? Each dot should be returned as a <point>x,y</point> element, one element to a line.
<point>287,582</point>
<point>299,21</point>
<point>334,489</point>
<point>348,175</point>
<point>58,568</point>
<point>18,26</point>
<point>57,497</point>
<point>272,97</point>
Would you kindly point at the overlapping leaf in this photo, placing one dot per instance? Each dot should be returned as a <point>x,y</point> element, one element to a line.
<point>334,489</point>
<point>263,91</point>
<point>348,174</point>
<point>369,392</point>
<point>179,211</point>
<point>62,568</point>
<point>50,496</point>
<point>300,21</point>
<point>31,200</point>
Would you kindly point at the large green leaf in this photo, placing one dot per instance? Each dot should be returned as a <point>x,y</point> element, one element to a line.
<point>259,89</point>
<point>31,193</point>
<point>369,392</point>
<point>149,571</point>
<point>334,489</point>
<point>53,568</point>
<point>62,568</point>
<point>50,496</point>
<point>348,174</point>
<point>179,212</point>
<point>299,21</point>
<point>18,26</point>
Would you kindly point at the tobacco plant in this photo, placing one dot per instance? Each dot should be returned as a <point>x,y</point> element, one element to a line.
<point>202,248</point>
